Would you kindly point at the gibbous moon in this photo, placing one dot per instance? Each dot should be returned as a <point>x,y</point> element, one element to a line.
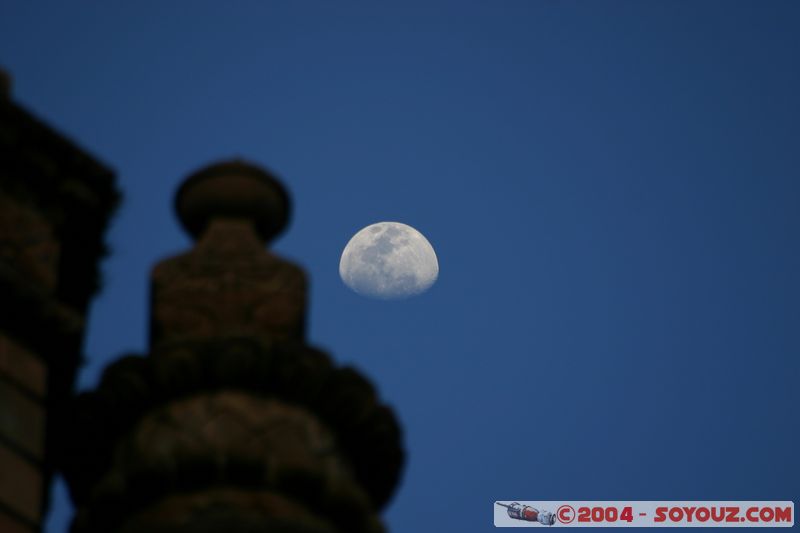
<point>388,260</point>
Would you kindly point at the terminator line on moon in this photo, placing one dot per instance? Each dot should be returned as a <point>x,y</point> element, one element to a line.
<point>388,260</point>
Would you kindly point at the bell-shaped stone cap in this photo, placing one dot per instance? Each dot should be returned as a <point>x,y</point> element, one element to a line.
<point>233,189</point>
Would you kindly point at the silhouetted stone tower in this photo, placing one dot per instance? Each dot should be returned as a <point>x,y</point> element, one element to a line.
<point>231,423</point>
<point>55,203</point>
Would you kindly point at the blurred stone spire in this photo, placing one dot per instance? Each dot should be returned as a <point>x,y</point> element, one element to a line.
<point>231,423</point>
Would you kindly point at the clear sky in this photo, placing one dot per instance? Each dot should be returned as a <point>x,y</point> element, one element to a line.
<point>611,188</point>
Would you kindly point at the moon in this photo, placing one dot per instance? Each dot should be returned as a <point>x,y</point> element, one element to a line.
<point>389,261</point>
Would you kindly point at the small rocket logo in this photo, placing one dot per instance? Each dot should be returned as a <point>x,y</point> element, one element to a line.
<point>528,513</point>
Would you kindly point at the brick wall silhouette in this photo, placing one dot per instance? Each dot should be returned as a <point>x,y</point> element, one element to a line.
<point>55,203</point>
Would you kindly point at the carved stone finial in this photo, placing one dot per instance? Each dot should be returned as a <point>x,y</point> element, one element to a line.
<point>233,189</point>
<point>228,284</point>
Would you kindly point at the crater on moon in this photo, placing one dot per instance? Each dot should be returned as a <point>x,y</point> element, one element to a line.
<point>389,260</point>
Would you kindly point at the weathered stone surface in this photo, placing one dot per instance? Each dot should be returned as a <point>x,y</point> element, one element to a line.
<point>228,510</point>
<point>21,366</point>
<point>21,420</point>
<point>70,192</point>
<point>20,485</point>
<point>9,524</point>
<point>276,454</point>
<point>27,242</point>
<point>231,426</point>
<point>227,285</point>
<point>366,432</point>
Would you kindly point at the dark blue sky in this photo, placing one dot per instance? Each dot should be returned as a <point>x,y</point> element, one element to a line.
<point>611,187</point>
